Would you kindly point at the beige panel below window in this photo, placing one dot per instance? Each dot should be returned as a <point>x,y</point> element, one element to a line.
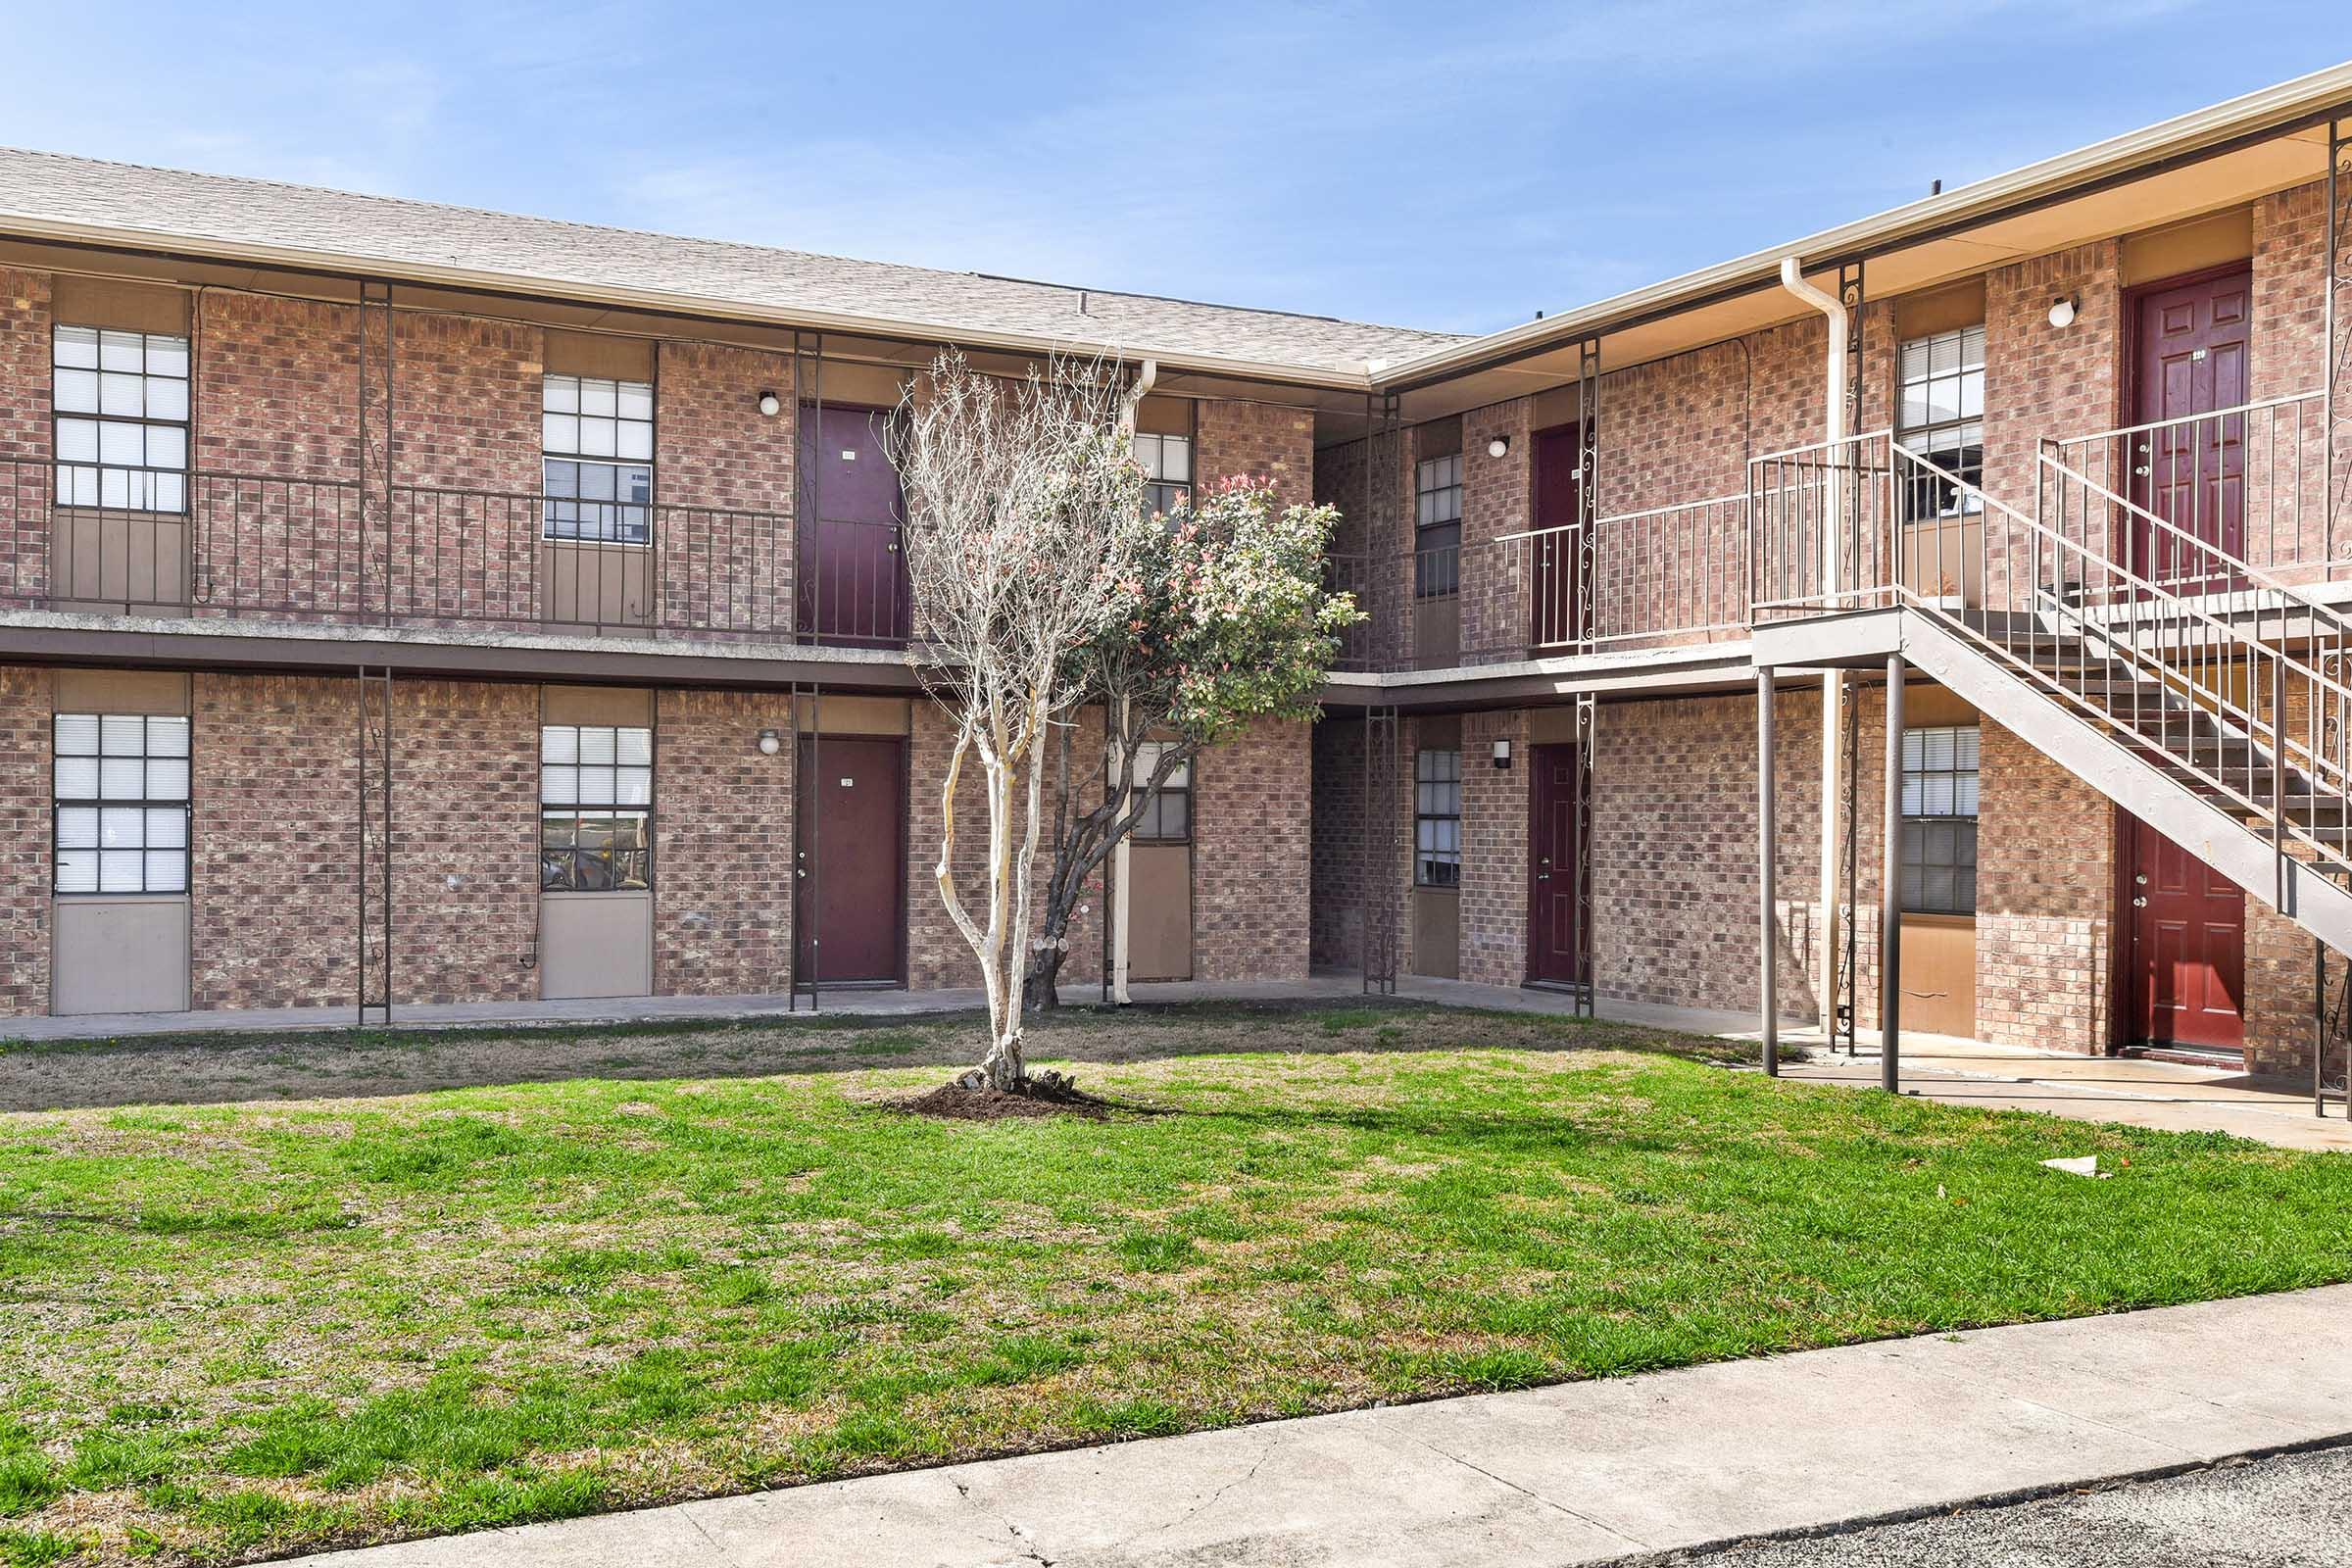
<point>119,954</point>
<point>1159,913</point>
<point>1437,932</point>
<point>1940,974</point>
<point>595,945</point>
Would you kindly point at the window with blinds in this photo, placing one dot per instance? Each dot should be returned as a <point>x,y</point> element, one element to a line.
<point>1940,819</point>
<point>596,798</point>
<point>121,786</point>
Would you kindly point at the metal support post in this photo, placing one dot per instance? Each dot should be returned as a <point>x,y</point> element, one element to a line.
<point>1767,891</point>
<point>1891,891</point>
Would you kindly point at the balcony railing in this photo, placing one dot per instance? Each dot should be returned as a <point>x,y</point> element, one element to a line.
<point>1659,577</point>
<point>335,550</point>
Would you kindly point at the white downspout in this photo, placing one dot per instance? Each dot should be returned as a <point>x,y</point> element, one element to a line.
<point>1116,908</point>
<point>1833,682</point>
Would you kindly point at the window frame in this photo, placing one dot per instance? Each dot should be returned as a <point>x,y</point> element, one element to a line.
<point>97,467</point>
<point>1150,826</point>
<point>145,804</point>
<point>617,507</point>
<point>1430,503</point>
<point>1163,497</point>
<point>578,810</point>
<point>1423,784</point>
<point>1927,500</point>
<point>1922,817</point>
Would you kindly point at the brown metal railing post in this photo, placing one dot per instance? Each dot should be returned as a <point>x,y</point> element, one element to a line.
<point>1766,876</point>
<point>1891,902</point>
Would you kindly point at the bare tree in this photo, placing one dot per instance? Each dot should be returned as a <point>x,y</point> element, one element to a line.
<point>1025,530</point>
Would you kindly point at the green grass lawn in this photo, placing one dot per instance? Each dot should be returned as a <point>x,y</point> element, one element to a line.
<point>238,1330</point>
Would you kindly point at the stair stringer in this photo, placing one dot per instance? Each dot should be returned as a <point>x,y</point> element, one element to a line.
<point>2046,722</point>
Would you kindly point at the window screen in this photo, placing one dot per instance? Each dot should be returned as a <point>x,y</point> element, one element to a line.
<point>121,802</point>
<point>596,796</point>
<point>597,440</point>
<point>1438,818</point>
<point>1438,526</point>
<point>1940,819</point>
<point>1167,462</point>
<point>121,406</point>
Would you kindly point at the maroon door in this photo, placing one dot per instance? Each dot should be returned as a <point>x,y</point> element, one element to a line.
<point>1551,866</point>
<point>850,860</point>
<point>2188,948</point>
<point>2189,360</point>
<point>853,578</point>
<point>1557,466</point>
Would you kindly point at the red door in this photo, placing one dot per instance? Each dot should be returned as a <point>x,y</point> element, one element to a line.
<point>2191,359</point>
<point>853,578</point>
<point>2189,922</point>
<point>1551,867</point>
<point>850,860</point>
<point>1558,466</point>
<point>2188,948</point>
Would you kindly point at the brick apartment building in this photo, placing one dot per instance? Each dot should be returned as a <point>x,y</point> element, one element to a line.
<point>402,603</point>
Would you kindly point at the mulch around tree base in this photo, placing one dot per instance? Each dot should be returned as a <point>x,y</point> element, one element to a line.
<point>1049,1095</point>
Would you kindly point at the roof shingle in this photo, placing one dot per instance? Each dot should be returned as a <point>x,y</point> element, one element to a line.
<point>399,234</point>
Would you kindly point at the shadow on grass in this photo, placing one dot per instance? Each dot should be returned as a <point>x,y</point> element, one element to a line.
<point>235,1068</point>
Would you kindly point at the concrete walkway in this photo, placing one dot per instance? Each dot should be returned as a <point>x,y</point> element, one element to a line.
<point>2148,1094</point>
<point>1582,1473</point>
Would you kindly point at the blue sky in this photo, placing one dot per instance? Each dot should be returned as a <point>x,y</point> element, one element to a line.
<point>1441,166</point>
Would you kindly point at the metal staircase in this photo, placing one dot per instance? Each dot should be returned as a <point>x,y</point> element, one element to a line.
<point>2202,696</point>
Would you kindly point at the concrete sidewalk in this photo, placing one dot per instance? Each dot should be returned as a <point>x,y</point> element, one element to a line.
<point>1580,1473</point>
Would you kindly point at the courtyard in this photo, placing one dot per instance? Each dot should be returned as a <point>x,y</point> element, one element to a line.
<point>266,1293</point>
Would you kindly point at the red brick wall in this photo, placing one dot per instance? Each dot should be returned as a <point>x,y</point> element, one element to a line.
<point>937,954</point>
<point>276,389</point>
<point>25,706</point>
<point>724,845</point>
<point>278,386</point>
<point>728,568</point>
<point>24,431</point>
<point>1336,852</point>
<point>1252,816</point>
<point>2046,886</point>
<point>274,877</point>
<point>2043,380</point>
<point>466,841</point>
<point>1492,910</point>
<point>1259,440</point>
<point>1674,848</point>
<point>2289,356</point>
<point>1498,498</point>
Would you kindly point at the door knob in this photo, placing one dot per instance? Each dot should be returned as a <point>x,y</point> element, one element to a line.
<point>2139,903</point>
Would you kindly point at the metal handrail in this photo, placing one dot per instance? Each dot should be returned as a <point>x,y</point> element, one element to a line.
<point>2171,677</point>
<point>336,548</point>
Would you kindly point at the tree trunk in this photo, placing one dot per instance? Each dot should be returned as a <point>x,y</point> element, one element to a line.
<point>1047,973</point>
<point>1005,1067</point>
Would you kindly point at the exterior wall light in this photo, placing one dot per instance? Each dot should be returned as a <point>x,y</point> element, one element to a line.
<point>770,405</point>
<point>1498,446</point>
<point>1503,754</point>
<point>2062,311</point>
<point>769,745</point>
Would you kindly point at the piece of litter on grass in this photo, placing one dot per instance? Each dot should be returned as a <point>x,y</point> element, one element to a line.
<point>2086,1165</point>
